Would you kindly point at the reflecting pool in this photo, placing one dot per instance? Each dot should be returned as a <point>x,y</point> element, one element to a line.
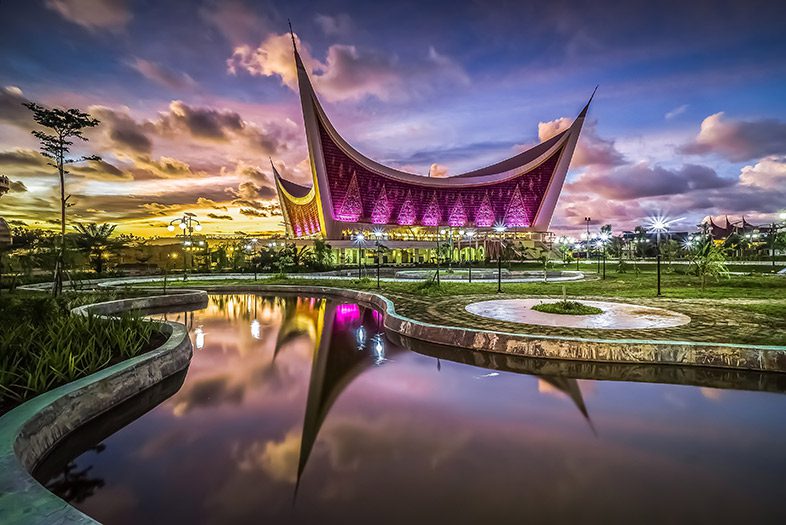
<point>301,410</point>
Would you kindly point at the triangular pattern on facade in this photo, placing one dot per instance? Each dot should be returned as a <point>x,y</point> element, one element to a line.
<point>352,207</point>
<point>407,215</point>
<point>516,215</point>
<point>458,214</point>
<point>484,216</point>
<point>382,208</point>
<point>433,215</point>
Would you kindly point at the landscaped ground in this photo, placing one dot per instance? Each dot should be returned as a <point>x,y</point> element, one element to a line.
<point>43,346</point>
<point>740,309</point>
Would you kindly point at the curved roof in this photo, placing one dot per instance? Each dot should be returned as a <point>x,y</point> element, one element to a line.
<point>497,172</point>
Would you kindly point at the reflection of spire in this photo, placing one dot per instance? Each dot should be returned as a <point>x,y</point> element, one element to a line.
<point>302,317</point>
<point>336,363</point>
<point>572,389</point>
<point>490,361</point>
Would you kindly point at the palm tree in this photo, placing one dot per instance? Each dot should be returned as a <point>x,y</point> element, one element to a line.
<point>93,239</point>
<point>709,261</point>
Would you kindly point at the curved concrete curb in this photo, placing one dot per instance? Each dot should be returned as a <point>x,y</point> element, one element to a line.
<point>621,351</point>
<point>30,430</point>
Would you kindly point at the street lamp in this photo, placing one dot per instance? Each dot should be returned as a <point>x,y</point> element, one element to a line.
<point>360,239</point>
<point>500,229</point>
<point>774,230</point>
<point>252,247</point>
<point>658,225</point>
<point>378,234</point>
<point>604,238</point>
<point>469,235</point>
<point>587,220</point>
<point>189,224</point>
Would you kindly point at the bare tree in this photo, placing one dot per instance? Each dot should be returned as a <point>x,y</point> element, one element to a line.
<point>65,124</point>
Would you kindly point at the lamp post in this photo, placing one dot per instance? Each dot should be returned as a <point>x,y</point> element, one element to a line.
<point>658,225</point>
<point>604,238</point>
<point>188,224</point>
<point>359,240</point>
<point>775,228</point>
<point>378,234</point>
<point>470,234</point>
<point>252,247</point>
<point>500,229</point>
<point>587,220</point>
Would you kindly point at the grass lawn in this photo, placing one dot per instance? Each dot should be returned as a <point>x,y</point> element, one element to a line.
<point>43,346</point>
<point>748,309</point>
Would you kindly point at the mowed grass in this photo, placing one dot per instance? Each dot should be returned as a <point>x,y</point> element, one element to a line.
<point>628,285</point>
<point>740,309</point>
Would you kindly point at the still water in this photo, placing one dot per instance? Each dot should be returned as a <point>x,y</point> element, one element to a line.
<point>300,410</point>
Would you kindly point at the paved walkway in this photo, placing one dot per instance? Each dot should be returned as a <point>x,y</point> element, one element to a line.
<point>615,316</point>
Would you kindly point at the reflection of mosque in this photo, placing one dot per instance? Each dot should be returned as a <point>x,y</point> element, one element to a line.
<point>348,339</point>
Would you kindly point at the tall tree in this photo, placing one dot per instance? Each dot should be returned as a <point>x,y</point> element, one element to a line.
<point>65,125</point>
<point>94,240</point>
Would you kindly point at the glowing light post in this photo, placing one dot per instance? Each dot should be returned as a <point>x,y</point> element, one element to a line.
<point>604,238</point>
<point>587,220</point>
<point>188,223</point>
<point>378,234</point>
<point>252,247</point>
<point>775,228</point>
<point>500,229</point>
<point>469,235</point>
<point>359,240</point>
<point>658,225</point>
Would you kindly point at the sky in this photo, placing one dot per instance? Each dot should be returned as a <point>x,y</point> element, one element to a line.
<point>196,98</point>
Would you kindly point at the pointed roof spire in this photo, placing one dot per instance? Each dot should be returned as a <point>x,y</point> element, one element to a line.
<point>292,35</point>
<point>586,107</point>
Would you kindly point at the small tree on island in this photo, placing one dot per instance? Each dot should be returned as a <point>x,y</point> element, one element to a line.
<point>709,261</point>
<point>93,239</point>
<point>66,124</point>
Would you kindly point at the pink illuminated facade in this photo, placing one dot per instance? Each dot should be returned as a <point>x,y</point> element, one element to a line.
<point>350,192</point>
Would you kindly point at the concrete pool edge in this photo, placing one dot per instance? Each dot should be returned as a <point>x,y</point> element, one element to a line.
<point>762,358</point>
<point>31,430</point>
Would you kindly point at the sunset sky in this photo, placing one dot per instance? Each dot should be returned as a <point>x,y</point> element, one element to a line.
<point>193,97</point>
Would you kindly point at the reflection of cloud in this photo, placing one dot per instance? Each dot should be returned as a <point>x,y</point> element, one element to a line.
<point>278,459</point>
<point>714,394</point>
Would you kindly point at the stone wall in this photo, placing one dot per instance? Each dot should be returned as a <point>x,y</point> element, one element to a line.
<point>31,430</point>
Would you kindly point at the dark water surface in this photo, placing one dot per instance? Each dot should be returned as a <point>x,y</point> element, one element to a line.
<point>292,413</point>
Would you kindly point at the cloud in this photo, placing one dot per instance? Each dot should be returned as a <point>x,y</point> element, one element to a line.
<point>220,125</point>
<point>769,173</point>
<point>11,109</point>
<point>122,131</point>
<point>643,180</point>
<point>203,202</point>
<point>17,186</point>
<point>219,217</point>
<point>93,14</point>
<point>162,75</point>
<point>438,170</point>
<point>23,157</point>
<point>251,212</point>
<point>738,140</point>
<point>234,20</point>
<point>349,73</point>
<point>679,110</point>
<point>336,25</point>
<point>591,148</point>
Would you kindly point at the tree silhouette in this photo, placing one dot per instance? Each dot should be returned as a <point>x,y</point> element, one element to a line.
<point>65,124</point>
<point>93,239</point>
